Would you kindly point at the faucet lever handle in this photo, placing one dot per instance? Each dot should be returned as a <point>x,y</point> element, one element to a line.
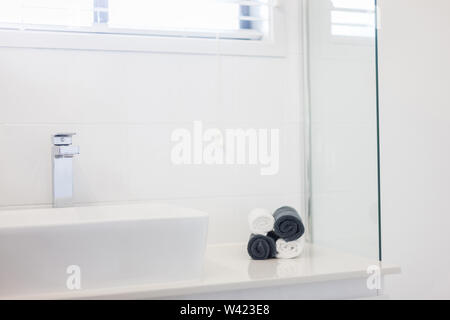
<point>66,151</point>
<point>63,139</point>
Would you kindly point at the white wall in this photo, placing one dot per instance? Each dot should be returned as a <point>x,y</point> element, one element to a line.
<point>124,106</point>
<point>415,132</point>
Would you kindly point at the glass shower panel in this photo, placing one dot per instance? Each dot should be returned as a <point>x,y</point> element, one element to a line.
<point>341,59</point>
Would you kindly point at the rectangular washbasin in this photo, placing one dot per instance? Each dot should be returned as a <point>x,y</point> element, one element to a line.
<point>83,248</point>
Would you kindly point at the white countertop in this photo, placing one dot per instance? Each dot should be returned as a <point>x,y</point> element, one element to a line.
<point>228,267</point>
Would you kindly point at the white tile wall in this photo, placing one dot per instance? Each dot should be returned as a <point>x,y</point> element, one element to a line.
<point>124,106</point>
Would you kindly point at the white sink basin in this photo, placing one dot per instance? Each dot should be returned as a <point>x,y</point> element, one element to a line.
<point>107,246</point>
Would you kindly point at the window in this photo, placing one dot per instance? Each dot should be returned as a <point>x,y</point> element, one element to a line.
<point>353,18</point>
<point>230,19</point>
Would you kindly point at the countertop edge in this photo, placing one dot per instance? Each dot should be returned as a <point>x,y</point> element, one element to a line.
<point>210,285</point>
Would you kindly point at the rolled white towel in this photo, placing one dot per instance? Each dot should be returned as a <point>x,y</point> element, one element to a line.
<point>260,221</point>
<point>290,249</point>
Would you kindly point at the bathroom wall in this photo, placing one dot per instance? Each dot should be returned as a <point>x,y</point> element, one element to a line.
<point>124,107</point>
<point>415,134</point>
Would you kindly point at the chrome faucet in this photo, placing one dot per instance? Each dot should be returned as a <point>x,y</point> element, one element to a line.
<point>62,156</point>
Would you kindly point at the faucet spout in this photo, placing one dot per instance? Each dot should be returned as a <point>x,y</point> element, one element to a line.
<point>62,162</point>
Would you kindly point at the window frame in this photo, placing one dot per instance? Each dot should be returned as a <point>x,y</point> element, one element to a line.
<point>164,42</point>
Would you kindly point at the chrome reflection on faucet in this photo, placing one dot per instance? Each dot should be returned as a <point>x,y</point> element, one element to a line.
<point>62,157</point>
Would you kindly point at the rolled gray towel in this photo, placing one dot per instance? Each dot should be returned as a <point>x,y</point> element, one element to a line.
<point>261,247</point>
<point>288,224</point>
<point>273,235</point>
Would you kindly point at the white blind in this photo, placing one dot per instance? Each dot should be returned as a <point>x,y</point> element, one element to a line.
<point>240,19</point>
<point>353,18</point>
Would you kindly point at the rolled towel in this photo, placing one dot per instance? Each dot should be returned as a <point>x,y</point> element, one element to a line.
<point>273,235</point>
<point>288,224</point>
<point>289,249</point>
<point>260,221</point>
<point>261,247</point>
